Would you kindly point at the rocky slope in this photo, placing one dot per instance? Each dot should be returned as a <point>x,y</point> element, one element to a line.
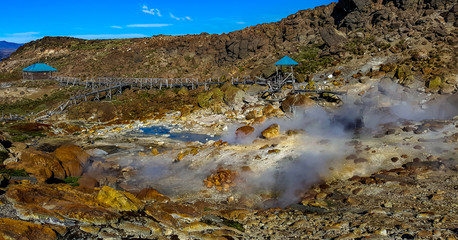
<point>423,30</point>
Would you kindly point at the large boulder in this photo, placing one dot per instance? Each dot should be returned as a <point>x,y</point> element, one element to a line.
<point>73,159</point>
<point>65,161</point>
<point>42,166</point>
<point>296,101</point>
<point>332,37</point>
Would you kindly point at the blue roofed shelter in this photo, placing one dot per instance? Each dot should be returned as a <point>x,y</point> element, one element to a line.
<point>38,71</point>
<point>286,61</point>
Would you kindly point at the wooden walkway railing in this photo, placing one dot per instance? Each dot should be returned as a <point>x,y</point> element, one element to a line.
<point>106,87</point>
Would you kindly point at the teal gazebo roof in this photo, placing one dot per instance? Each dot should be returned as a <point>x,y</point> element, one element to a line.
<point>39,67</point>
<point>286,61</point>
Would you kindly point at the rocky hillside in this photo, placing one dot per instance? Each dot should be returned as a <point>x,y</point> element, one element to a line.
<point>420,34</point>
<point>6,48</point>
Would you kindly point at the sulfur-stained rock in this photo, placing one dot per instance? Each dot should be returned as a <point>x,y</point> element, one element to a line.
<point>244,131</point>
<point>150,194</point>
<point>435,83</point>
<point>58,201</point>
<point>14,229</point>
<point>119,200</point>
<point>39,164</point>
<point>271,132</point>
<point>268,109</point>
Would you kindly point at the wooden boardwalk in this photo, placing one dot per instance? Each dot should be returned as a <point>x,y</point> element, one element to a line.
<point>106,87</point>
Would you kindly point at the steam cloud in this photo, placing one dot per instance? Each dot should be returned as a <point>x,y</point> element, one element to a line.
<point>386,102</point>
<point>322,146</point>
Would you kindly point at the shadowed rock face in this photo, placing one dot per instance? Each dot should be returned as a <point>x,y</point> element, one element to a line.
<point>250,51</point>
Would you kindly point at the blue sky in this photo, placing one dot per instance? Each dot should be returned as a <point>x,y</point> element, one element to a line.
<point>27,20</point>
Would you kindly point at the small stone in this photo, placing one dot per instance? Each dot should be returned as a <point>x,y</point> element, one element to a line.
<point>360,160</point>
<point>377,212</point>
<point>382,232</point>
<point>321,196</point>
<point>272,151</point>
<point>244,131</point>
<point>424,234</point>
<point>388,205</point>
<point>351,201</point>
<point>271,132</point>
<point>90,229</point>
<point>437,197</point>
<point>154,151</point>
<point>356,191</point>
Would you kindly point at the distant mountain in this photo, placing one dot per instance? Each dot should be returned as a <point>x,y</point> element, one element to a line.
<point>6,48</point>
<point>4,44</point>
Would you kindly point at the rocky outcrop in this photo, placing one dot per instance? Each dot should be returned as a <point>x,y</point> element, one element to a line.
<point>42,166</point>
<point>65,161</point>
<point>59,202</point>
<point>73,159</point>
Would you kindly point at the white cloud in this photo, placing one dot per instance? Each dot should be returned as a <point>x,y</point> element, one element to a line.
<point>152,25</point>
<point>152,11</point>
<point>179,19</point>
<point>22,34</point>
<point>173,16</point>
<point>110,36</point>
<point>20,37</point>
<point>117,27</point>
<point>241,23</point>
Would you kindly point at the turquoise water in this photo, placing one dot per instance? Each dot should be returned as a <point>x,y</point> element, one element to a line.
<point>181,136</point>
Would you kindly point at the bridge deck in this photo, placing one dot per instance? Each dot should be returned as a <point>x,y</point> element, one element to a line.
<point>107,87</point>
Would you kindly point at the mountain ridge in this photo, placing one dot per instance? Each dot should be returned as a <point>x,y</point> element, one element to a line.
<point>317,38</point>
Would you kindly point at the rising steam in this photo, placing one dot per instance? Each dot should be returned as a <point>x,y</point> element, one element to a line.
<point>323,144</point>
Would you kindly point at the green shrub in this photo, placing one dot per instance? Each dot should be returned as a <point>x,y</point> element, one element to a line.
<point>311,61</point>
<point>72,181</point>
<point>14,173</point>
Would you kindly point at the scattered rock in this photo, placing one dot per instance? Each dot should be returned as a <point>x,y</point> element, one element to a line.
<point>119,200</point>
<point>271,132</point>
<point>244,131</point>
<point>296,101</point>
